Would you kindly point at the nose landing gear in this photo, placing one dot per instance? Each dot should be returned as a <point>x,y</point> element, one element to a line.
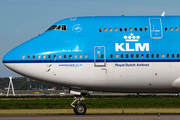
<point>79,108</point>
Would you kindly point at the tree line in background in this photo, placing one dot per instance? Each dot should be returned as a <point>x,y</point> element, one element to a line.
<point>22,83</point>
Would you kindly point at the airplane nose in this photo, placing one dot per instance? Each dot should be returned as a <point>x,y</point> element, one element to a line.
<point>9,59</point>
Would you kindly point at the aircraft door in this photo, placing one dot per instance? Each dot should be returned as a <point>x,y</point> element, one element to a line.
<point>99,56</point>
<point>155,28</point>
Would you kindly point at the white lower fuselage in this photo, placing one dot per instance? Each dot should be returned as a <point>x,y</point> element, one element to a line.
<point>152,77</point>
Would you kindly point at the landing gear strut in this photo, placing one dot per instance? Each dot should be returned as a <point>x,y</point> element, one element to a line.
<point>79,108</point>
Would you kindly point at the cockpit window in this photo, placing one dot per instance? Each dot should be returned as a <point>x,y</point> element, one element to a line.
<point>57,27</point>
<point>64,27</point>
<point>52,27</point>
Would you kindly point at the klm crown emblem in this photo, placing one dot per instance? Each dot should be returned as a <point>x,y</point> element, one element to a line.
<point>131,37</point>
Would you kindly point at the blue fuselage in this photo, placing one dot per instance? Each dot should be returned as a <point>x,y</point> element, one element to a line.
<point>144,44</point>
<point>91,32</point>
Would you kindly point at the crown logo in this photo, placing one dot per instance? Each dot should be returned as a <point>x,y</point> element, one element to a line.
<point>131,37</point>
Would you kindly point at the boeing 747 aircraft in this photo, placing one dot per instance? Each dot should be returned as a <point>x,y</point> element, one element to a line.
<point>139,54</point>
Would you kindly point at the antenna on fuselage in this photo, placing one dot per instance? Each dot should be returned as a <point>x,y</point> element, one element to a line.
<point>163,14</point>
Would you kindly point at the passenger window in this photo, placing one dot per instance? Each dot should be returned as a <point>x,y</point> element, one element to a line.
<point>142,55</point>
<point>54,56</point>
<point>70,56</point>
<point>125,29</point>
<point>132,55</point>
<point>102,56</point>
<point>135,29</point>
<point>166,29</point>
<point>75,56</point>
<point>65,56</point>
<point>39,56</point>
<point>171,29</point>
<point>49,56</point>
<point>111,55</point>
<point>115,29</point>
<point>100,30</point>
<point>120,29</point>
<point>130,29</point>
<point>167,55</point>
<point>157,55</point>
<point>28,57</point>
<point>33,56</point>
<point>44,56</point>
<point>162,56</point>
<point>152,55</point>
<point>110,29</point>
<point>147,55</point>
<point>117,56</point>
<point>177,55</point>
<point>173,55</point>
<point>105,29</point>
<point>122,55</point>
<point>86,56</point>
<point>23,56</point>
<point>127,56</point>
<point>140,29</point>
<point>60,56</point>
<point>176,29</point>
<point>146,29</point>
<point>80,56</point>
<point>137,55</point>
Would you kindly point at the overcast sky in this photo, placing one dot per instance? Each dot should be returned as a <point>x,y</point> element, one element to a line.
<point>21,20</point>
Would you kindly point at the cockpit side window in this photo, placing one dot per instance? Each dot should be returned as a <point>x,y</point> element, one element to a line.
<point>52,27</point>
<point>64,27</point>
<point>57,27</point>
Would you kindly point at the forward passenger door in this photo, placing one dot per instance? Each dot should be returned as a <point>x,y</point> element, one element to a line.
<point>99,56</point>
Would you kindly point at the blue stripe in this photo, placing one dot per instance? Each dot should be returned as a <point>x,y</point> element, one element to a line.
<point>90,61</point>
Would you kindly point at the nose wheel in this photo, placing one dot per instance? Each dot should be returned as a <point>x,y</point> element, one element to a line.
<point>79,108</point>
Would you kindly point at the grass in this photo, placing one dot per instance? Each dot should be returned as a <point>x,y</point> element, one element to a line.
<point>101,102</point>
<point>95,105</point>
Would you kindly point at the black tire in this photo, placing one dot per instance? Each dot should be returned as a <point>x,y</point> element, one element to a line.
<point>80,109</point>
